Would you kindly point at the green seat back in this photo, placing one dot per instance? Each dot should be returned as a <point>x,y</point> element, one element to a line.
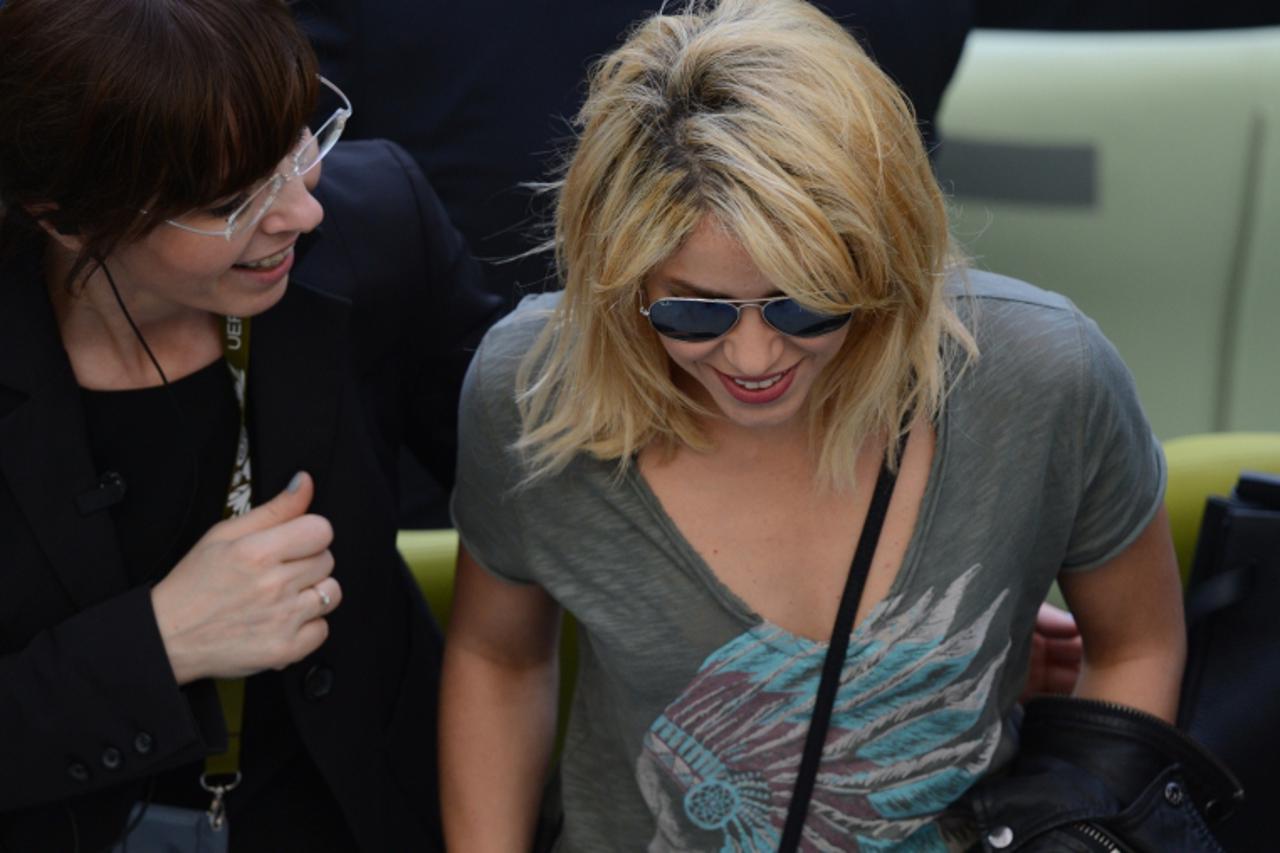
<point>1139,174</point>
<point>432,556</point>
<point>1204,465</point>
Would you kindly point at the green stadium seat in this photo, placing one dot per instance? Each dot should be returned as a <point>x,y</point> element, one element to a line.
<point>1139,174</point>
<point>1210,464</point>
<point>432,556</point>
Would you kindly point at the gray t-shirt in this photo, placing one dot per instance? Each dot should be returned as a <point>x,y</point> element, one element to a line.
<point>690,712</point>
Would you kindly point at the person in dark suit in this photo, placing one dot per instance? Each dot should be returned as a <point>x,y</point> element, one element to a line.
<point>1102,15</point>
<point>162,212</point>
<point>482,94</point>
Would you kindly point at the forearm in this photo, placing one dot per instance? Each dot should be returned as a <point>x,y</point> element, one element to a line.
<point>1147,679</point>
<point>1130,616</point>
<point>91,703</point>
<point>497,726</point>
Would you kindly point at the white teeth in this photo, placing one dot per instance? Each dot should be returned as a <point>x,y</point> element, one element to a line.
<point>760,385</point>
<point>267,263</point>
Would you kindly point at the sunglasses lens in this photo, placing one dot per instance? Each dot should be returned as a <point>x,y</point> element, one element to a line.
<point>686,320</point>
<point>792,318</point>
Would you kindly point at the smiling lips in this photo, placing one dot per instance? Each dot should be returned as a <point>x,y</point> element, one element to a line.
<point>758,390</point>
<point>269,271</point>
<point>269,262</point>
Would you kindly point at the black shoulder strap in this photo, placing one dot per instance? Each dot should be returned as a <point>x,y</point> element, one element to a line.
<point>834,661</point>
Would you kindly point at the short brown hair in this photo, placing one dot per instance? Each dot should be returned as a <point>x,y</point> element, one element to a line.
<point>111,107</point>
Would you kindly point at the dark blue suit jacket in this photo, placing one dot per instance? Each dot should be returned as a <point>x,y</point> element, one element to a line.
<point>365,352</point>
<point>481,92</point>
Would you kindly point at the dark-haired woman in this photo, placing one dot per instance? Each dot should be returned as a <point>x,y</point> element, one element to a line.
<point>198,434</point>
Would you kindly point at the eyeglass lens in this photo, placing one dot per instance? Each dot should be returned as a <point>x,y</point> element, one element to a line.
<point>310,152</point>
<point>699,320</point>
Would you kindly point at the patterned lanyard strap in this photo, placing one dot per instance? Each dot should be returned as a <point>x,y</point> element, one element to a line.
<point>222,771</point>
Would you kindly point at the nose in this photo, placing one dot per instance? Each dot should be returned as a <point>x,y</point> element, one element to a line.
<point>753,347</point>
<point>295,208</point>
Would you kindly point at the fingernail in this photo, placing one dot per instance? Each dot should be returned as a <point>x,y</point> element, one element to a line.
<point>295,483</point>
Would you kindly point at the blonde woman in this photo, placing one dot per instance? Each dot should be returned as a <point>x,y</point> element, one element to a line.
<point>761,320</point>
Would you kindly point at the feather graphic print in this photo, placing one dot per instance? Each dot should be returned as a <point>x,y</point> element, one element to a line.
<point>911,730</point>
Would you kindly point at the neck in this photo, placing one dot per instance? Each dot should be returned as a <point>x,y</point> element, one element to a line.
<point>104,349</point>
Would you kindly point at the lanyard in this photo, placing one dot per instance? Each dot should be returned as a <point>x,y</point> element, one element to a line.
<point>225,767</point>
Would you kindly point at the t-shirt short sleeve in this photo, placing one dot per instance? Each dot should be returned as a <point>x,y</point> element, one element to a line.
<point>486,499</point>
<point>1122,466</point>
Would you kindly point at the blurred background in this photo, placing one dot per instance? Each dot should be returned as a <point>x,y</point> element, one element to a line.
<point>1137,172</point>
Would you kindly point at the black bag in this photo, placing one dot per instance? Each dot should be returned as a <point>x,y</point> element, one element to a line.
<point>1231,689</point>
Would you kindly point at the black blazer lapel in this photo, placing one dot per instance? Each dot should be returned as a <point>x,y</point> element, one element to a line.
<point>296,375</point>
<point>44,451</point>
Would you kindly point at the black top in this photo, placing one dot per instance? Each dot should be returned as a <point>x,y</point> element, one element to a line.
<point>172,448</point>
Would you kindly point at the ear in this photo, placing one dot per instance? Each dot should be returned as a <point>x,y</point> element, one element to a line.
<point>45,215</point>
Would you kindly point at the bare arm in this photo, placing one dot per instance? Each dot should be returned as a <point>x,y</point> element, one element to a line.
<point>497,710</point>
<point>1130,616</point>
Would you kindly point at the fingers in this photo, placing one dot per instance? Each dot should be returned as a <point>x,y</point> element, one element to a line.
<point>1069,650</point>
<point>289,504</point>
<point>1059,679</point>
<point>296,539</point>
<point>318,601</point>
<point>308,572</point>
<point>327,595</point>
<point>1055,622</point>
<point>309,638</point>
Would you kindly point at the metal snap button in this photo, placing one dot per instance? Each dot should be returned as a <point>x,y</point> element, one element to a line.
<point>78,771</point>
<point>1174,794</point>
<point>143,743</point>
<point>1000,837</point>
<point>111,758</point>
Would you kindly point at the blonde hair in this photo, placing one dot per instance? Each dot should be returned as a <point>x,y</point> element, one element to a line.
<point>767,116</point>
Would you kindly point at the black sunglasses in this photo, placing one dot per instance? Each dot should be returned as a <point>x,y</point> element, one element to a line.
<point>692,319</point>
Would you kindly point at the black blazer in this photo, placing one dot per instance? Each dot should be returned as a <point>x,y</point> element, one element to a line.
<point>365,351</point>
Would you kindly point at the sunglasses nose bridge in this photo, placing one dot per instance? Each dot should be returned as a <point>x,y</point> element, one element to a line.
<point>759,309</point>
<point>753,345</point>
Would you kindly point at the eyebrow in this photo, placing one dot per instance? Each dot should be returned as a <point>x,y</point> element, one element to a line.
<point>680,287</point>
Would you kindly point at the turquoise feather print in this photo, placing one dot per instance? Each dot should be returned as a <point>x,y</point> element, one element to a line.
<point>912,728</point>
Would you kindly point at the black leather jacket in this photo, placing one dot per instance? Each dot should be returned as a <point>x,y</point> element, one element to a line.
<point>1093,776</point>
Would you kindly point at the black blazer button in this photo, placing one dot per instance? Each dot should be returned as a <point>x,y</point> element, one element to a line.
<point>78,771</point>
<point>317,683</point>
<point>143,743</point>
<point>111,758</point>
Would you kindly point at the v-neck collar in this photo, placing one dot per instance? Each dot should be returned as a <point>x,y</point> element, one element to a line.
<point>694,564</point>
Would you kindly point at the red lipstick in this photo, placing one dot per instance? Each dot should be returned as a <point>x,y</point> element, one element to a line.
<point>770,387</point>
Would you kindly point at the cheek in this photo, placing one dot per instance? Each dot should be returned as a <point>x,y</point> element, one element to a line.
<point>170,254</point>
<point>827,347</point>
<point>312,179</point>
<point>211,265</point>
<point>686,355</point>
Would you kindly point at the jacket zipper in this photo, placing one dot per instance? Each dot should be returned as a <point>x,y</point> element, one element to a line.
<point>1099,838</point>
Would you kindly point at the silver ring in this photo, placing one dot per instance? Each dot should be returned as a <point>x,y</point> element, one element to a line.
<point>324,596</point>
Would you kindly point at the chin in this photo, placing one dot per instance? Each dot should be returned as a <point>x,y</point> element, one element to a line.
<point>783,413</point>
<point>252,304</point>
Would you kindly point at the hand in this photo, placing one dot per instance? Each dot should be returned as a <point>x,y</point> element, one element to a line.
<point>253,592</point>
<point>1056,653</point>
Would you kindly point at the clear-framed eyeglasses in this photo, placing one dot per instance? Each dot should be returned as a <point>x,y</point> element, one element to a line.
<point>246,210</point>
